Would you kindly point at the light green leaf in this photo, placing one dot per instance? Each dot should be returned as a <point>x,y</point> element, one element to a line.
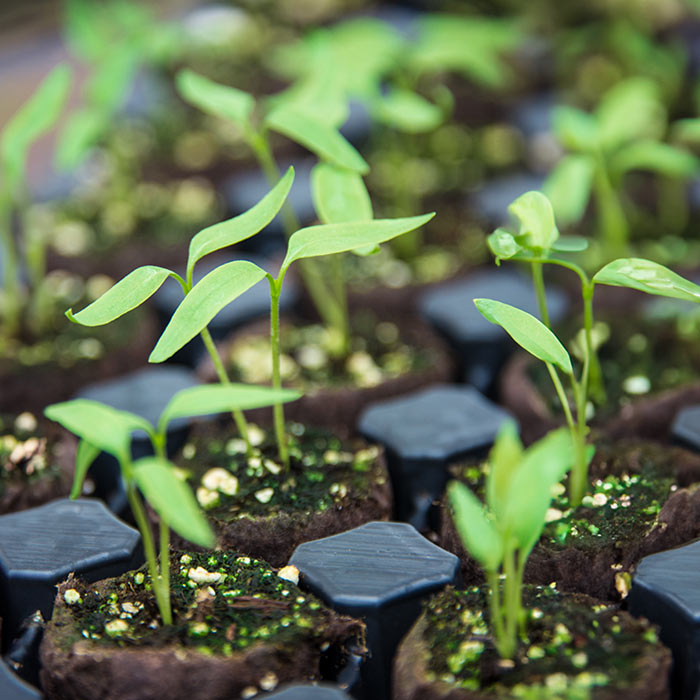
<point>216,99</point>
<point>655,156</point>
<point>686,131</point>
<point>340,238</point>
<point>214,291</point>
<point>570,244</point>
<point>108,86</point>
<point>239,228</point>
<point>476,530</point>
<point>504,459</point>
<point>536,217</point>
<point>36,116</point>
<point>407,111</point>
<point>575,129</point>
<point>339,195</point>
<point>172,499</point>
<point>649,277</point>
<point>327,143</point>
<point>527,331</point>
<point>569,187</point>
<point>102,426</point>
<point>503,245</point>
<point>214,398</point>
<point>87,453</point>
<point>83,130</point>
<point>125,295</point>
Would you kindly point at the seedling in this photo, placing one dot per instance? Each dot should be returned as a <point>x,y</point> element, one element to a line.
<point>624,133</point>
<point>102,428</point>
<point>537,242</point>
<point>37,116</point>
<point>501,535</point>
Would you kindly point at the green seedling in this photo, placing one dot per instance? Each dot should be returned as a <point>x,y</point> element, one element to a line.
<point>537,242</point>
<point>624,133</point>
<point>37,116</point>
<point>102,428</point>
<point>501,534</point>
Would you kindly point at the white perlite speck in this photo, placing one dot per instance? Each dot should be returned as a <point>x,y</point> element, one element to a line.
<point>264,495</point>
<point>289,573</point>
<point>201,575</point>
<point>115,628</point>
<point>219,479</point>
<point>72,597</point>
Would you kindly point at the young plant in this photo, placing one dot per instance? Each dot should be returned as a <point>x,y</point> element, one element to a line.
<point>102,428</point>
<point>501,534</point>
<point>624,133</point>
<point>37,116</point>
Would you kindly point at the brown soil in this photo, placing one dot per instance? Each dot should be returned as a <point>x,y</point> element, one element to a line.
<point>576,648</point>
<point>594,550</point>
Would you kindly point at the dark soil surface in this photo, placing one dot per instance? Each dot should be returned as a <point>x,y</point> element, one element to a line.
<point>239,628</point>
<point>576,649</point>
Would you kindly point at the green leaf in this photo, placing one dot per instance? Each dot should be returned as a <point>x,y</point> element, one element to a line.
<point>125,295</point>
<point>407,111</point>
<point>103,426</point>
<point>211,294</point>
<point>503,245</point>
<point>327,143</point>
<point>649,277</point>
<point>340,238</point>
<point>655,156</point>
<point>87,453</point>
<point>216,99</point>
<point>476,530</point>
<point>527,331</point>
<point>686,131</point>
<point>83,130</point>
<point>536,217</point>
<point>214,398</point>
<point>568,187</point>
<point>107,88</point>
<point>339,195</point>
<point>36,116</point>
<point>575,129</point>
<point>570,244</point>
<point>239,228</point>
<point>172,499</point>
<point>504,459</point>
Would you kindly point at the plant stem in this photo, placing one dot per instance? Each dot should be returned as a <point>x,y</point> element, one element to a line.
<point>511,601</point>
<point>592,377</point>
<point>495,605</point>
<point>343,321</point>
<point>538,281</point>
<point>278,411</point>
<point>164,580</point>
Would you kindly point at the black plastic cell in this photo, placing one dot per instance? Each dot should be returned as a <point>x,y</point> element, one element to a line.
<point>686,427</point>
<point>491,201</point>
<point>253,304</point>
<point>422,433</point>
<point>482,346</point>
<point>14,688</point>
<point>666,591</point>
<point>41,546</point>
<point>309,692</point>
<point>146,393</point>
<point>379,572</point>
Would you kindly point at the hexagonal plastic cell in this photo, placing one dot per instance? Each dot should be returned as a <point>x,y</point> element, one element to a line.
<point>309,692</point>
<point>146,393</point>
<point>41,546</point>
<point>686,427</point>
<point>380,572</point>
<point>14,688</point>
<point>666,591</point>
<point>422,433</point>
<point>483,347</point>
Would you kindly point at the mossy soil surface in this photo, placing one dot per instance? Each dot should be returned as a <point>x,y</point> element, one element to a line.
<point>574,645</point>
<point>222,603</point>
<point>324,472</point>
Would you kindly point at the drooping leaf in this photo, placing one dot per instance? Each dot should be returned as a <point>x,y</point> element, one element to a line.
<point>568,187</point>
<point>172,499</point>
<point>476,530</point>
<point>211,294</point>
<point>241,227</point>
<point>216,99</point>
<point>503,245</point>
<point>339,195</point>
<point>214,398</point>
<point>655,156</point>
<point>570,244</point>
<point>649,277</point>
<point>36,116</point>
<point>534,213</point>
<point>100,425</point>
<point>328,239</point>
<point>407,111</point>
<point>527,331</point>
<point>577,130</point>
<point>125,295</point>
<point>327,143</point>
<point>504,459</point>
<point>87,453</point>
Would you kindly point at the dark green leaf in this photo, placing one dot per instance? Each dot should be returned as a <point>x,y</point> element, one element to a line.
<point>172,499</point>
<point>85,456</point>
<point>527,331</point>
<point>569,187</point>
<point>214,291</point>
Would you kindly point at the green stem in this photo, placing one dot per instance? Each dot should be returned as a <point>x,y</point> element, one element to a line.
<point>164,580</point>
<point>343,321</point>
<point>511,601</point>
<point>520,574</point>
<point>495,605</point>
<point>278,411</point>
<point>538,281</point>
<point>558,387</point>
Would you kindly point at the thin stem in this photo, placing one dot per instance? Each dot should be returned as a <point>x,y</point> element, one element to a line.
<point>511,602</point>
<point>592,377</point>
<point>520,573</point>
<point>278,411</point>
<point>538,281</point>
<point>495,605</point>
<point>164,581</point>
<point>342,299</point>
<point>562,395</point>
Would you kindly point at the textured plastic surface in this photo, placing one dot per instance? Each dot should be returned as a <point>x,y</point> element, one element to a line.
<point>309,692</point>
<point>380,572</point>
<point>13,688</point>
<point>686,427</point>
<point>423,432</point>
<point>491,201</point>
<point>41,546</point>
<point>666,590</point>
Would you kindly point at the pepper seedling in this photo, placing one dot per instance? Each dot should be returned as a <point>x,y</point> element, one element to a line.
<point>501,534</point>
<point>624,133</point>
<point>102,428</point>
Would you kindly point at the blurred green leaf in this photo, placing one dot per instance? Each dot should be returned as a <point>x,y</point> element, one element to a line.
<point>83,130</point>
<point>655,156</point>
<point>407,111</point>
<point>87,453</point>
<point>504,459</point>
<point>570,244</point>
<point>568,187</point>
<point>339,195</point>
<point>576,129</point>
